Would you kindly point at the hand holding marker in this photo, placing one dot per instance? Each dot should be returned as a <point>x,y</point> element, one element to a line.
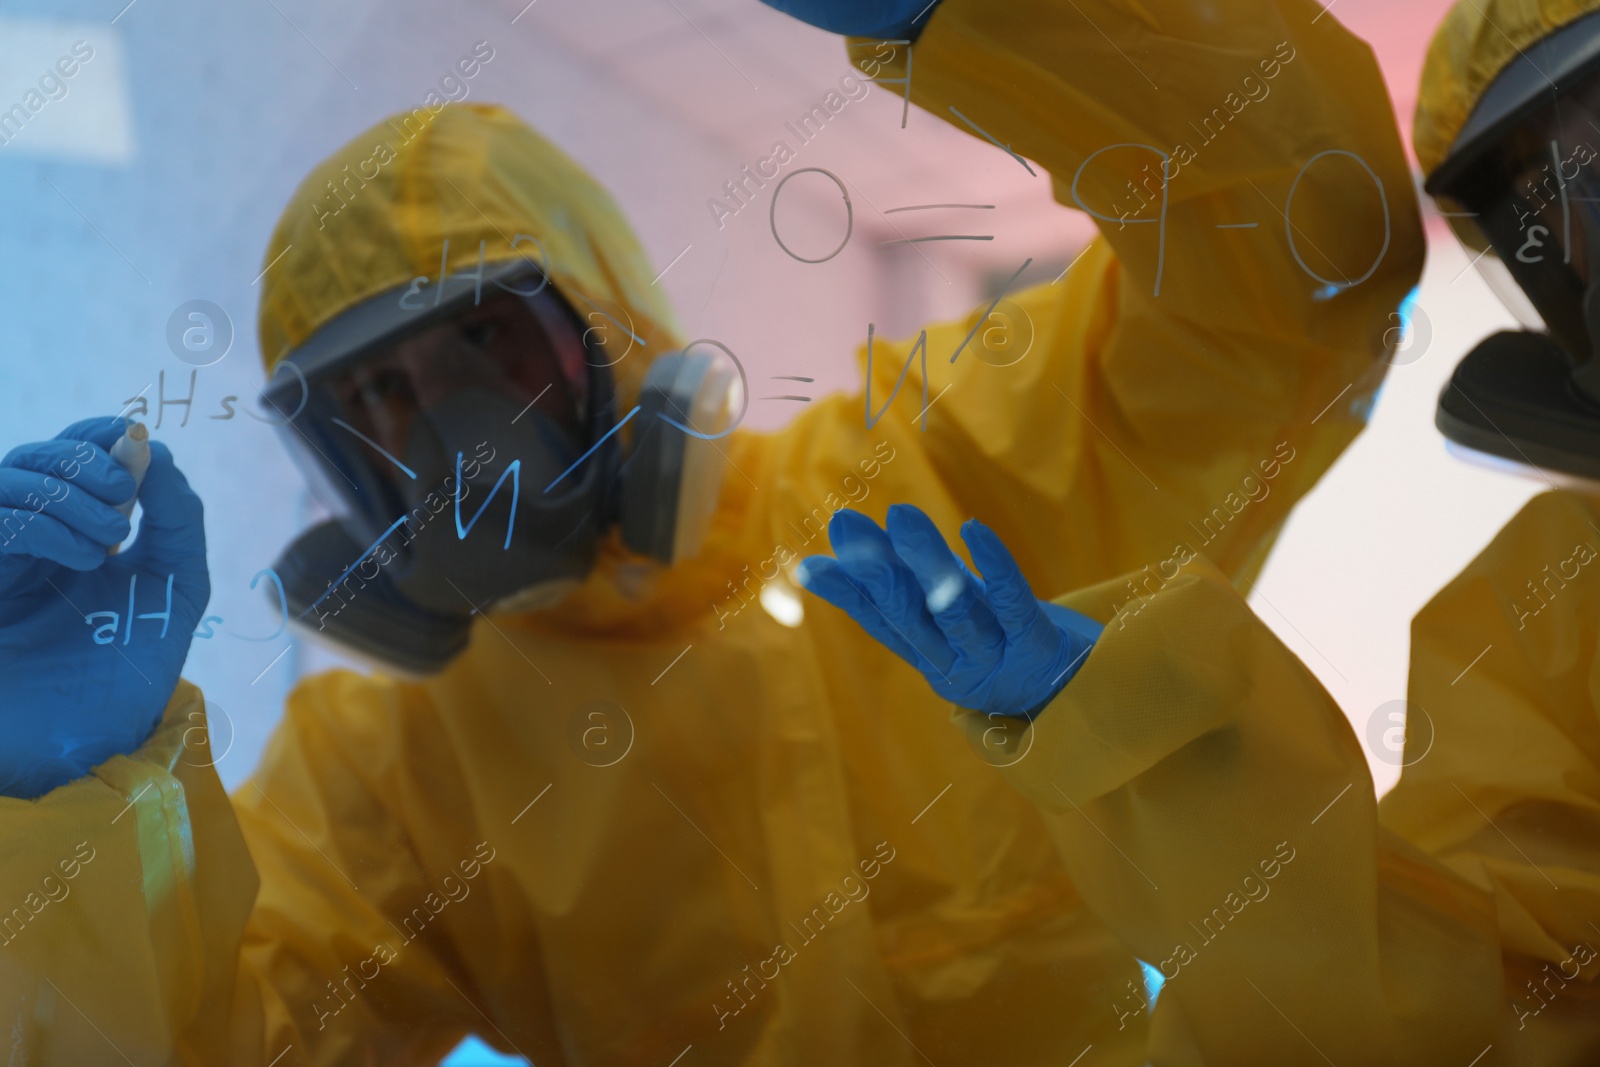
<point>67,597</point>
<point>132,450</point>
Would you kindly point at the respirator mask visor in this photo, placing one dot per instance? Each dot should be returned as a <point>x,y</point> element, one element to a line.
<point>465,462</point>
<point>1535,198</point>
<point>1521,190</point>
<point>398,414</point>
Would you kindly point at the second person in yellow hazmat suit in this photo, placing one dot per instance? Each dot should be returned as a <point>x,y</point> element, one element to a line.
<point>776,849</point>
<point>1457,921</point>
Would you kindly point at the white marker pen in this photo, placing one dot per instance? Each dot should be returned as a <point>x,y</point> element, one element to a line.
<point>132,450</point>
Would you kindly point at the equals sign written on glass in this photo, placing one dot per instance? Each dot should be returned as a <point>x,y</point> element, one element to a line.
<point>940,237</point>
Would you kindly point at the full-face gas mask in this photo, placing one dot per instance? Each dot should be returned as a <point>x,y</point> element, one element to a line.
<point>471,459</point>
<point>1521,186</point>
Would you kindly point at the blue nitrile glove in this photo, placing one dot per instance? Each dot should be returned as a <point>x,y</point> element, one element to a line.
<point>68,702</point>
<point>883,19</point>
<point>987,643</point>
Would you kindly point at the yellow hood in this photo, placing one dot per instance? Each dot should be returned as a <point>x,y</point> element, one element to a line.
<point>1471,46</point>
<point>377,214</point>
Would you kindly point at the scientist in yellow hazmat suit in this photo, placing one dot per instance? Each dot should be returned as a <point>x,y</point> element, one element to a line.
<point>624,815</point>
<point>1208,798</point>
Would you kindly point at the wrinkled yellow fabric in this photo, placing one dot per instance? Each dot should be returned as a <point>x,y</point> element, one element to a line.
<point>794,786</point>
<point>1215,809</point>
<point>1504,663</point>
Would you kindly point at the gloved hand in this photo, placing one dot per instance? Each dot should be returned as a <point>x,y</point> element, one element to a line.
<point>983,643</point>
<point>883,19</point>
<point>69,702</point>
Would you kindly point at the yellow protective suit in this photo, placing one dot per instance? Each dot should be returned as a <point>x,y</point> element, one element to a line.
<point>795,858</point>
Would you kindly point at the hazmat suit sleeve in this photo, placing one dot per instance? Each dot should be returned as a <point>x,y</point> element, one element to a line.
<point>153,920</point>
<point>1208,356</point>
<point>1502,742</point>
<point>1215,810</point>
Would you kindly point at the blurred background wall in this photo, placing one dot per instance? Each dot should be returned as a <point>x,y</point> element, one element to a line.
<point>155,181</point>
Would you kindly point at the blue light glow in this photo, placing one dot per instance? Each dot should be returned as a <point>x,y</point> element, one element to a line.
<point>1153,981</point>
